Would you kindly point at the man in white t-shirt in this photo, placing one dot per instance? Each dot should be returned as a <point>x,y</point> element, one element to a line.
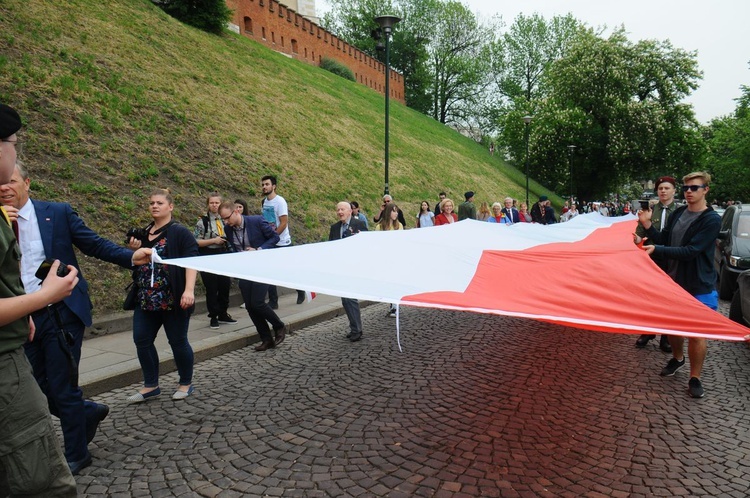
<point>276,212</point>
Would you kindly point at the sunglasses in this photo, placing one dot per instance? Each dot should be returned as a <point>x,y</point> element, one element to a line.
<point>692,188</point>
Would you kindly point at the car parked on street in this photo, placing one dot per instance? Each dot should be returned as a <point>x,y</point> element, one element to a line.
<point>732,245</point>
<point>739,309</point>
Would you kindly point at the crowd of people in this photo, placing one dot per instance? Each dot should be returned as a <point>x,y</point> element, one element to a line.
<point>44,313</point>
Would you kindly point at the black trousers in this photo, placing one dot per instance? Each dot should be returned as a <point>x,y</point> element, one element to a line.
<point>273,294</point>
<point>261,314</point>
<point>217,293</point>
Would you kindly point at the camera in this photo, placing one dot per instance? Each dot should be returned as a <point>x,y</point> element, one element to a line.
<point>138,234</point>
<point>44,268</point>
<point>644,204</point>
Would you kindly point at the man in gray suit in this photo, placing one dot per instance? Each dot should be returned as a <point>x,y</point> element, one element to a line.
<point>346,227</point>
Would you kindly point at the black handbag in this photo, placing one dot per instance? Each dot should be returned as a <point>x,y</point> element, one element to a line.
<point>132,297</point>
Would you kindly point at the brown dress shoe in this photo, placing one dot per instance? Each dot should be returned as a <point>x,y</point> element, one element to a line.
<point>265,345</point>
<point>281,334</point>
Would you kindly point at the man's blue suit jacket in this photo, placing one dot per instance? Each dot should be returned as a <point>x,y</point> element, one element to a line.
<point>61,229</point>
<point>258,234</point>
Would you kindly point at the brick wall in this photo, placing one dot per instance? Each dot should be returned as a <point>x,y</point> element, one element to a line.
<point>284,30</point>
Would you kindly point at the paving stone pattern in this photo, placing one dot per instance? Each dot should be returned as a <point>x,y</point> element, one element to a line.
<point>476,405</point>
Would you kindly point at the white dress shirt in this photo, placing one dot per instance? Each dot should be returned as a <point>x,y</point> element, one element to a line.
<point>32,249</point>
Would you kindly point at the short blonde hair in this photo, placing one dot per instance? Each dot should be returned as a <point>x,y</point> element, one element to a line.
<point>703,176</point>
<point>444,202</point>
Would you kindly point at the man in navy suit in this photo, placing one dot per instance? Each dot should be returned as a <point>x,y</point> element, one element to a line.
<point>346,227</point>
<point>49,230</point>
<point>254,233</point>
<point>510,212</point>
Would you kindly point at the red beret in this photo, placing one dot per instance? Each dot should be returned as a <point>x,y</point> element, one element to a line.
<point>667,179</point>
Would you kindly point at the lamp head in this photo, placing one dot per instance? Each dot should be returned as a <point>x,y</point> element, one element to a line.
<point>527,119</point>
<point>387,23</point>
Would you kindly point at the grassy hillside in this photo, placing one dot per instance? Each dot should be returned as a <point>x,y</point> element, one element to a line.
<point>119,98</point>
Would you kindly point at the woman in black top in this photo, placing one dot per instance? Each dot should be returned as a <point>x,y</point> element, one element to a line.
<point>165,298</point>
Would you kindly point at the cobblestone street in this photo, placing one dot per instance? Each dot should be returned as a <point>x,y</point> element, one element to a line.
<point>476,405</point>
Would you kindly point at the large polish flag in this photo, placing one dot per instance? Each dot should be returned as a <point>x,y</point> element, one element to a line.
<point>585,273</point>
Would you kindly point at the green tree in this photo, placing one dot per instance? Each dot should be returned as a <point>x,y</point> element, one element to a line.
<point>522,55</point>
<point>209,15</point>
<point>729,152</point>
<point>620,103</point>
<point>519,59</point>
<point>354,22</point>
<point>459,61</point>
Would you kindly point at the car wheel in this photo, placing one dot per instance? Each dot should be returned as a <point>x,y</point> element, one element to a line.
<point>726,284</point>
<point>735,308</point>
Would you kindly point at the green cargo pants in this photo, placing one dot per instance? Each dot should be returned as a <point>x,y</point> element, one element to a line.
<point>31,460</point>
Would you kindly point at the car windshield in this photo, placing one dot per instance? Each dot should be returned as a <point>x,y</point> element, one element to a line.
<point>743,225</point>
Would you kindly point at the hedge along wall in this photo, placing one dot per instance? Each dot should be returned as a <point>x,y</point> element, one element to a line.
<point>283,30</point>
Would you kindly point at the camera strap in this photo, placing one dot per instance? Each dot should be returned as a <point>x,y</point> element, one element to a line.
<point>66,341</point>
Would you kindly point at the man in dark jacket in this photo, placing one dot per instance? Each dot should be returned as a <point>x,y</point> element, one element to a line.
<point>346,227</point>
<point>387,199</point>
<point>253,233</point>
<point>666,186</point>
<point>687,245</point>
<point>538,211</point>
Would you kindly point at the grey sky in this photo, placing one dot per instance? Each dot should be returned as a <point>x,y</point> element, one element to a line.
<point>717,30</point>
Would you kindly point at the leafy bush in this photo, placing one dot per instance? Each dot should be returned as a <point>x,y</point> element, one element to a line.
<point>209,15</point>
<point>336,67</point>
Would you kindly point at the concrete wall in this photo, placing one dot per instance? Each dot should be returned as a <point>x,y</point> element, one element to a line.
<point>284,30</point>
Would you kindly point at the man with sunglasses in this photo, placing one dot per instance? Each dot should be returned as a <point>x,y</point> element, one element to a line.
<point>387,199</point>
<point>687,245</point>
<point>666,186</point>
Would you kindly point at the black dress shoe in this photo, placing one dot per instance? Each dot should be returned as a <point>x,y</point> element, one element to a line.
<point>643,340</point>
<point>664,344</point>
<point>356,337</point>
<point>100,413</point>
<point>301,297</point>
<point>77,467</point>
<point>349,335</point>
<point>265,345</point>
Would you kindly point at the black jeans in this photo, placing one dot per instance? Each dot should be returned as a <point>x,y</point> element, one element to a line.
<point>217,293</point>
<point>273,294</point>
<point>254,295</point>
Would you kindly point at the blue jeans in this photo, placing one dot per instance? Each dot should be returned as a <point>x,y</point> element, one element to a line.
<point>55,366</point>
<point>146,325</point>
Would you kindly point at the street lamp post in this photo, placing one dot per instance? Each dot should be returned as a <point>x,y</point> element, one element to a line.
<point>527,119</point>
<point>386,24</point>
<point>571,149</point>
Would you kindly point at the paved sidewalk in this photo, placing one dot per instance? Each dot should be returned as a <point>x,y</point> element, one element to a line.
<point>109,361</point>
